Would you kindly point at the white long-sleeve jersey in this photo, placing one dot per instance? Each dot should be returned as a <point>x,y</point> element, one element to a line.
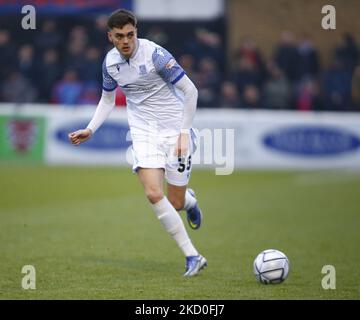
<point>148,79</point>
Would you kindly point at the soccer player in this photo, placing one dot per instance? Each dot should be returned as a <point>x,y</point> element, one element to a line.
<point>161,103</point>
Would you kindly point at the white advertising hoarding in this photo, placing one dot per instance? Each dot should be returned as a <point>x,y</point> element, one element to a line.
<point>108,146</point>
<point>289,140</point>
<point>178,9</point>
<point>227,139</point>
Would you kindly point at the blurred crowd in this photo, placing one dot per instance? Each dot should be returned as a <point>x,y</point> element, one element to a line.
<point>293,78</point>
<point>64,67</point>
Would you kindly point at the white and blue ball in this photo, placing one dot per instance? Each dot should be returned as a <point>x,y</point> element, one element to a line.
<point>271,266</point>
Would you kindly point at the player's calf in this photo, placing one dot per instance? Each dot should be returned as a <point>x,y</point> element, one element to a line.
<point>177,203</point>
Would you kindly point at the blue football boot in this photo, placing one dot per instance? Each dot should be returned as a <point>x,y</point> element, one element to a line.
<point>194,215</point>
<point>194,264</point>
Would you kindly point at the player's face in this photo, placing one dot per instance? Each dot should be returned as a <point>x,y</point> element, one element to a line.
<point>124,39</point>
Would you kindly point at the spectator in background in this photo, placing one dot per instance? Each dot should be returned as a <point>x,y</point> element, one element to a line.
<point>308,58</point>
<point>49,72</point>
<point>230,97</point>
<point>337,86</point>
<point>75,57</point>
<point>246,74</point>
<point>98,36</point>
<point>277,90</point>
<point>187,61</point>
<point>17,89</point>
<point>206,44</point>
<point>91,77</point>
<point>90,67</point>
<point>90,93</point>
<point>49,37</point>
<point>248,49</point>
<point>307,97</point>
<point>26,62</point>
<point>208,81</point>
<point>79,34</point>
<point>158,35</point>
<point>251,98</point>
<point>347,53</point>
<point>68,90</point>
<point>356,89</point>
<point>76,50</point>
<point>287,56</point>
<point>7,54</point>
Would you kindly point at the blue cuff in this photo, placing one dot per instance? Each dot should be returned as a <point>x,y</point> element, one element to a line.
<point>178,77</point>
<point>106,89</point>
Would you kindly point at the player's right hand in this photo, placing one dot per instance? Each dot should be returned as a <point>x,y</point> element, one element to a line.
<point>80,136</point>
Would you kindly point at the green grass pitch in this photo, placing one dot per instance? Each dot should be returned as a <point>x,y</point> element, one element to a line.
<point>90,234</point>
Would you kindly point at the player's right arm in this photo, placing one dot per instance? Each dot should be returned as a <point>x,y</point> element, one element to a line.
<point>105,106</point>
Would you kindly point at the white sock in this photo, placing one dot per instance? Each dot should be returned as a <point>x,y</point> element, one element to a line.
<point>173,224</point>
<point>190,201</point>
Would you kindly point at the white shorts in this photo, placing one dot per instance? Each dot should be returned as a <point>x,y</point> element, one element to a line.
<point>150,151</point>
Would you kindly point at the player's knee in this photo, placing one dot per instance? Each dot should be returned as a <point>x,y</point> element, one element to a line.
<point>177,203</point>
<point>154,195</point>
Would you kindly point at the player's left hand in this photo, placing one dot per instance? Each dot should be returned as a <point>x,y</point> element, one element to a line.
<point>182,144</point>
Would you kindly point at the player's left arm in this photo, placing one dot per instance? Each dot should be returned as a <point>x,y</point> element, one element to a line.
<point>190,102</point>
<point>167,67</point>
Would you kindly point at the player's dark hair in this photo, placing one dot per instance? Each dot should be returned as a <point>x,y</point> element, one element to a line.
<point>121,17</point>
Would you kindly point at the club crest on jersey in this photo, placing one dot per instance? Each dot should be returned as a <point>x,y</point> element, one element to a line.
<point>159,52</point>
<point>142,69</point>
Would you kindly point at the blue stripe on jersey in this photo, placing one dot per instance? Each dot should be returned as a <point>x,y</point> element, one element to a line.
<point>166,66</point>
<point>178,77</point>
<point>109,84</point>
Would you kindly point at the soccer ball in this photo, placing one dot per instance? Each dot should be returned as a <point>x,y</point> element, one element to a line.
<point>271,267</point>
